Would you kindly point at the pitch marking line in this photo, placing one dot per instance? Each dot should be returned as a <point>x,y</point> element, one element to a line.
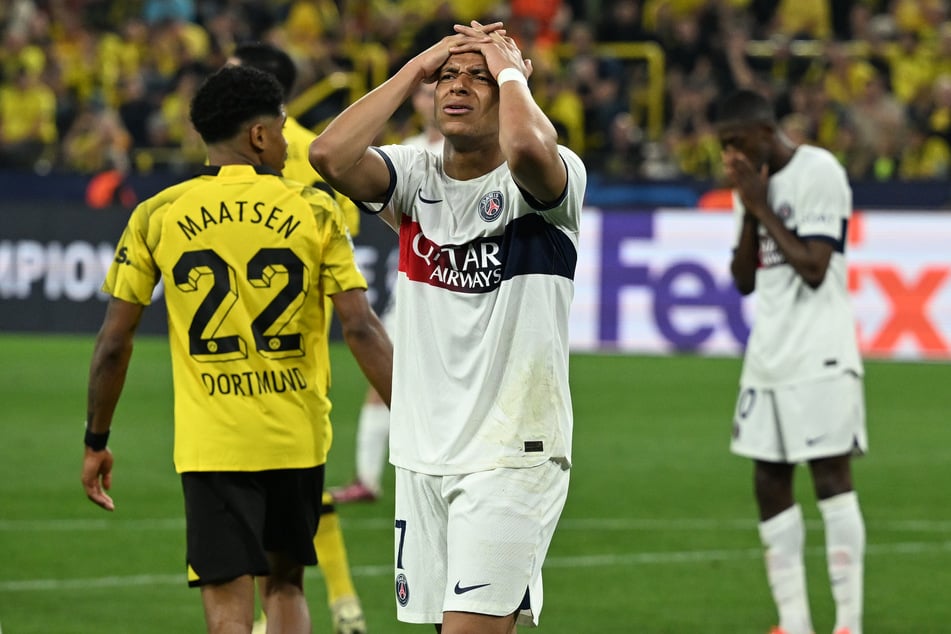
<point>590,561</point>
<point>602,524</point>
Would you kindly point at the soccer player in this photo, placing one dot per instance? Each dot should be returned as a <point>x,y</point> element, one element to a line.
<point>801,393</point>
<point>481,422</point>
<point>345,610</point>
<point>373,425</point>
<point>247,259</point>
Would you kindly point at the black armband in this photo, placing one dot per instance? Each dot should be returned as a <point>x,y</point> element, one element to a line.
<point>96,442</point>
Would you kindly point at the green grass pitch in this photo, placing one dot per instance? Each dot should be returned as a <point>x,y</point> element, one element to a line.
<point>659,534</point>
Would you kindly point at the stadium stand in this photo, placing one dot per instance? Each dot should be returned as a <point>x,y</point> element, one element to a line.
<point>95,86</point>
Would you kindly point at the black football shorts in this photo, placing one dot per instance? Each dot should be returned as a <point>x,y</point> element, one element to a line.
<point>234,518</point>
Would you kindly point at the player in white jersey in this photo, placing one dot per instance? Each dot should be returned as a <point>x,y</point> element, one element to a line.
<point>481,416</point>
<point>801,395</point>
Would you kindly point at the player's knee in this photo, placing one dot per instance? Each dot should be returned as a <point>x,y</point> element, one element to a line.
<point>286,575</point>
<point>772,480</point>
<point>832,486</point>
<point>831,476</point>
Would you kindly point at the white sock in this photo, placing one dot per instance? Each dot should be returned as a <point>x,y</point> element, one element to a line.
<point>373,432</point>
<point>784,538</point>
<point>845,552</point>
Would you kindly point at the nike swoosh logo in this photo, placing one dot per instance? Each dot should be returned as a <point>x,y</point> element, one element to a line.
<point>814,441</point>
<point>463,589</point>
<point>426,200</point>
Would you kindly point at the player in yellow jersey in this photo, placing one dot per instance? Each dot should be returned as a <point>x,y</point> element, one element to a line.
<point>247,259</point>
<point>345,609</point>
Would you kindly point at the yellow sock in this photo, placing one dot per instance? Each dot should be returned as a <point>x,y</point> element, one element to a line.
<point>332,553</point>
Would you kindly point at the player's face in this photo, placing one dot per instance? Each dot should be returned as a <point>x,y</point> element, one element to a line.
<point>467,97</point>
<point>749,140</point>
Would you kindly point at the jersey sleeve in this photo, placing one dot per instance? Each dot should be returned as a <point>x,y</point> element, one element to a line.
<point>826,204</point>
<point>339,271</point>
<point>351,214</point>
<point>133,274</point>
<point>402,162</point>
<point>566,212</point>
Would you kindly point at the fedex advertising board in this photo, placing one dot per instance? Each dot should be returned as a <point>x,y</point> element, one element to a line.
<point>652,283</point>
<point>660,282</point>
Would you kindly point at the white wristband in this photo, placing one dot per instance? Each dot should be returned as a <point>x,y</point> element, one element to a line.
<point>511,74</point>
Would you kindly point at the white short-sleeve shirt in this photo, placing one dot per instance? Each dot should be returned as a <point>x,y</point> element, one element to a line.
<point>800,333</point>
<point>486,279</point>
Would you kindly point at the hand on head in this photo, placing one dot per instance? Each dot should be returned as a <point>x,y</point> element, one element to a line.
<point>489,40</point>
<point>500,50</point>
<point>432,59</point>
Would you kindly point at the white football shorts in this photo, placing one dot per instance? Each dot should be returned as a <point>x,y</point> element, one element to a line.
<point>475,542</point>
<point>801,422</point>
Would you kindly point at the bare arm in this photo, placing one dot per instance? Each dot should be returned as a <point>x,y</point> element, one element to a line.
<point>746,257</point>
<point>341,153</point>
<point>527,137</point>
<point>367,339</point>
<point>107,372</point>
<point>809,258</point>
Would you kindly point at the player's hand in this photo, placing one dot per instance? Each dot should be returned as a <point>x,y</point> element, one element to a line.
<point>97,477</point>
<point>751,184</point>
<point>500,51</point>
<point>432,59</point>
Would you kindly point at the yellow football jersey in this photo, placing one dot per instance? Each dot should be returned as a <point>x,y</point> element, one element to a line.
<point>298,168</point>
<point>247,258</point>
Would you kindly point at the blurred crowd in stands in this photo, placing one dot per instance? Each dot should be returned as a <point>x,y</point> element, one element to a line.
<point>104,85</point>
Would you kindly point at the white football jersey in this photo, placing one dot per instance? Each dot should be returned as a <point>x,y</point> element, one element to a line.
<point>800,333</point>
<point>422,140</point>
<point>486,278</point>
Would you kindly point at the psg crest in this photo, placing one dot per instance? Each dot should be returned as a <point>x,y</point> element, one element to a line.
<point>402,589</point>
<point>491,205</point>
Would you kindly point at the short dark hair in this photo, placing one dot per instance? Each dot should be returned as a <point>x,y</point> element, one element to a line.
<point>270,59</point>
<point>231,97</point>
<point>745,107</point>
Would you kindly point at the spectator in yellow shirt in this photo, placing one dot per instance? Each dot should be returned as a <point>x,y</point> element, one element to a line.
<point>27,121</point>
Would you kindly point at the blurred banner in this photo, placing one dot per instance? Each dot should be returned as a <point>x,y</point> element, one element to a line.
<point>654,283</point>
<point>660,283</point>
<point>54,257</point>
